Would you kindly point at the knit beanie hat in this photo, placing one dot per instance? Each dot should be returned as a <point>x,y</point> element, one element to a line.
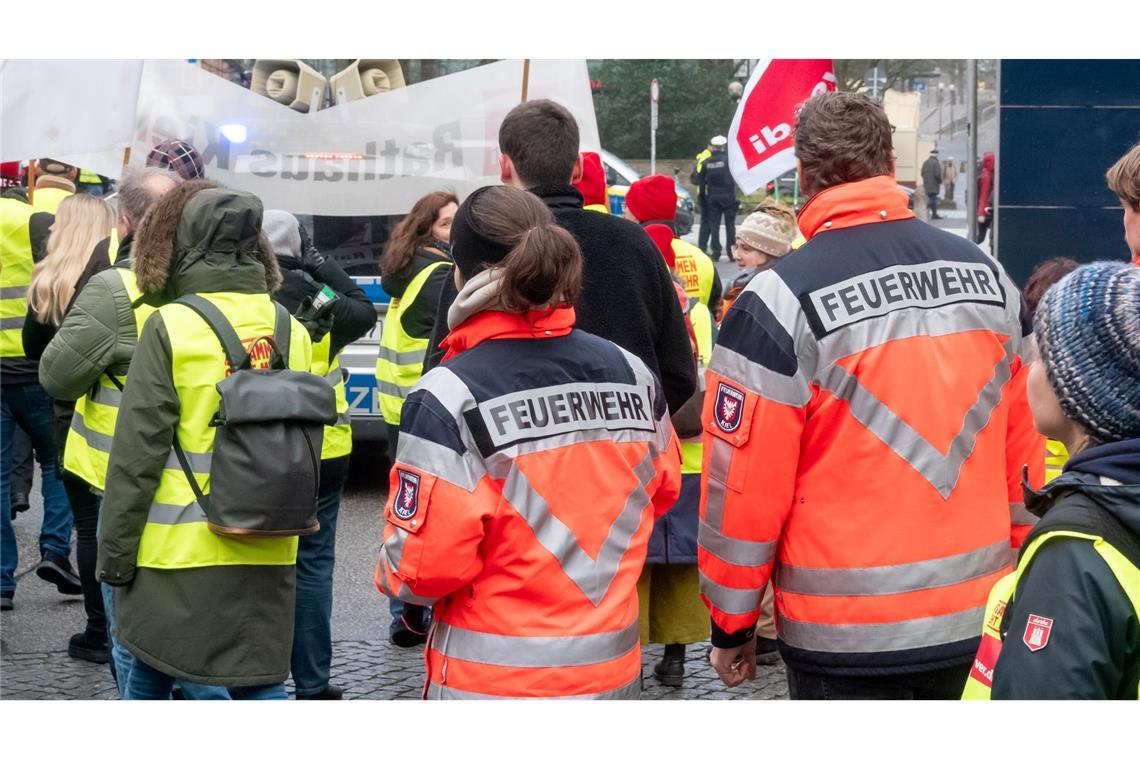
<point>283,232</point>
<point>766,233</point>
<point>652,199</point>
<point>1088,335</point>
<point>663,239</point>
<point>592,186</point>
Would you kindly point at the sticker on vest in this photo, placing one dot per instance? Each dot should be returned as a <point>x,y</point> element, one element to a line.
<point>1037,632</point>
<point>407,503</point>
<point>729,411</point>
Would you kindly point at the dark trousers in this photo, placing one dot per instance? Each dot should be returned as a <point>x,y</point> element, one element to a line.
<point>946,683</point>
<point>721,208</point>
<point>85,513</point>
<point>312,618</point>
<point>22,465</point>
<point>932,204</point>
<point>706,225</point>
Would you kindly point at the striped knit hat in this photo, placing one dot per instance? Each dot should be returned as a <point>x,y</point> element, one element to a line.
<point>764,232</point>
<point>1088,334</point>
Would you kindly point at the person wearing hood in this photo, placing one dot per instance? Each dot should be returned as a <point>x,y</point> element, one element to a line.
<point>532,463</point>
<point>1066,623</point>
<point>305,272</point>
<point>985,197</point>
<point>653,200</point>
<point>592,186</point>
<point>415,269</point>
<point>190,603</point>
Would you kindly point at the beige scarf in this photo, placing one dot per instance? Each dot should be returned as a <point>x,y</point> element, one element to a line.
<point>480,293</point>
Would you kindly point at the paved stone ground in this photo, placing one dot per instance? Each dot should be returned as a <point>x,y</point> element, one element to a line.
<point>365,669</point>
<point>33,637</point>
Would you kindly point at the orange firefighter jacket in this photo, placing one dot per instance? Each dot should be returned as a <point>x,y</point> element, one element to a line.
<point>865,431</point>
<point>531,466</point>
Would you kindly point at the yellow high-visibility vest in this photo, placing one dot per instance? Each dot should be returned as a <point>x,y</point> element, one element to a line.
<point>980,683</point>
<point>15,274</point>
<point>175,535</point>
<point>695,269</point>
<point>701,318</point>
<point>1055,457</point>
<point>338,437</point>
<point>401,359</point>
<point>48,198</point>
<point>93,423</point>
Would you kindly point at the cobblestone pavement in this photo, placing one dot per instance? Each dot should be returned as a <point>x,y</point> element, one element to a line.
<point>33,637</point>
<point>366,670</point>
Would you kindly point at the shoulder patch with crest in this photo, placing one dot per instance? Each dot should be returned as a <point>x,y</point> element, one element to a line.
<point>729,410</point>
<point>407,502</point>
<point>1037,630</point>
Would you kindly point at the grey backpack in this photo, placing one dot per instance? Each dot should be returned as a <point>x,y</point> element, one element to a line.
<point>266,463</point>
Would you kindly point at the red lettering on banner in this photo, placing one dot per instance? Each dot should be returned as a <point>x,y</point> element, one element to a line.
<point>260,353</point>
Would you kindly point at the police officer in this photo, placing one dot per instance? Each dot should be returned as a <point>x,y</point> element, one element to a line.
<point>719,191</point>
<point>695,178</point>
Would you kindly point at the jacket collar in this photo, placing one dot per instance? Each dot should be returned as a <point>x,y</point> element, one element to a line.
<point>558,197</point>
<point>123,257</point>
<point>867,201</point>
<point>499,325</point>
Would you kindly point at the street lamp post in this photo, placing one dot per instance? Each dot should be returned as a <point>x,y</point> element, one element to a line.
<point>941,86</point>
<point>953,96</point>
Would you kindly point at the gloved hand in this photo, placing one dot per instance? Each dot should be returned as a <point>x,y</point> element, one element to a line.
<point>311,258</point>
<point>319,324</point>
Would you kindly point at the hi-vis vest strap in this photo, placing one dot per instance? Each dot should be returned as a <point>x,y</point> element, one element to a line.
<point>15,274</point>
<point>1055,457</point>
<point>93,424</point>
<point>980,682</point>
<point>701,318</point>
<point>176,535</point>
<point>88,177</point>
<point>401,359</point>
<point>338,437</point>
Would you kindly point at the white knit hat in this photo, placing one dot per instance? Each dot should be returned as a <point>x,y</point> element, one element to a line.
<point>766,233</point>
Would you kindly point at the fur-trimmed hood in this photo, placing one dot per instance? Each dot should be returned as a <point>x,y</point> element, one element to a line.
<point>201,237</point>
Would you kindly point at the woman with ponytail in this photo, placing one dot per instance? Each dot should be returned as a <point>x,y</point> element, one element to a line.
<point>531,466</point>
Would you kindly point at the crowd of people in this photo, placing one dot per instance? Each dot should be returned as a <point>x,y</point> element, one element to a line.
<point>869,455</point>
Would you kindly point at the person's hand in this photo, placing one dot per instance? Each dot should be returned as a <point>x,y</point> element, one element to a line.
<point>981,219</point>
<point>318,325</point>
<point>735,665</point>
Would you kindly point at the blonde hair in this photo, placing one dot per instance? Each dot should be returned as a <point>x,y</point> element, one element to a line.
<point>81,221</point>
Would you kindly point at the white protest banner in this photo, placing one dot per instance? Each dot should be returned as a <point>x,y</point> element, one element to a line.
<point>68,110</point>
<point>372,156</point>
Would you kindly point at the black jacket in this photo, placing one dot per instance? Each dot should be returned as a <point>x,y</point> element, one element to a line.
<point>627,295</point>
<point>716,179</point>
<point>1093,649</point>
<point>353,314</point>
<point>931,175</point>
<point>419,317</point>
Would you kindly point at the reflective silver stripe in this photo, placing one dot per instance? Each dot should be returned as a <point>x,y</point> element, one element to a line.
<point>772,385</point>
<point>735,551</point>
<point>11,323</point>
<point>391,389</point>
<point>95,440</point>
<point>631,690</point>
<point>13,291</point>
<point>500,463</point>
<point>460,470</point>
<point>720,459</point>
<point>344,418</point>
<point>894,579</point>
<point>334,376</point>
<point>402,358</point>
<point>107,396</point>
<point>592,576</point>
<point>881,637</point>
<point>940,470</point>
<point>175,514</point>
<point>1019,515</point>
<point>199,463</point>
<point>405,594</point>
<point>537,651</point>
<point>907,323</point>
<point>733,601</point>
<point>392,550</point>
